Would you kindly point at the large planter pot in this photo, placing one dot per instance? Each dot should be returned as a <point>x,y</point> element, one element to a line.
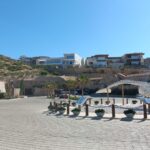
<point>76,113</point>
<point>51,108</point>
<point>134,102</point>
<point>130,115</point>
<point>107,102</point>
<point>96,102</point>
<point>73,103</point>
<point>100,114</point>
<point>61,112</point>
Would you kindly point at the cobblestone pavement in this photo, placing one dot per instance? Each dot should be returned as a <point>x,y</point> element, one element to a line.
<point>24,125</point>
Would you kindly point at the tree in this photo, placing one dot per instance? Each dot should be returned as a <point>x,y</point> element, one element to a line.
<point>10,88</point>
<point>22,88</point>
<point>82,82</point>
<point>71,84</point>
<point>51,88</point>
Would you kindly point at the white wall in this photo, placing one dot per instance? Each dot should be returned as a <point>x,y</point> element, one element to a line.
<point>2,87</point>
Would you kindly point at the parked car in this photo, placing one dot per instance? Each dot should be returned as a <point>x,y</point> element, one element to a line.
<point>63,96</point>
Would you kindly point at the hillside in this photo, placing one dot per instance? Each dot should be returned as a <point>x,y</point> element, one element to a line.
<point>13,69</point>
<point>10,68</point>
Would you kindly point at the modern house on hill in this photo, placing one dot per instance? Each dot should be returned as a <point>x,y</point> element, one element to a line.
<point>115,62</point>
<point>134,59</point>
<point>97,61</point>
<point>71,59</point>
<point>33,60</point>
<point>103,61</point>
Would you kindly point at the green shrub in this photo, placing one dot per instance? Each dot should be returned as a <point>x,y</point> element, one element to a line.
<point>134,101</point>
<point>73,97</point>
<point>107,102</point>
<point>43,73</point>
<point>96,102</point>
<point>129,111</point>
<point>99,111</point>
<point>76,110</point>
<point>73,103</point>
<point>61,109</point>
<point>64,104</point>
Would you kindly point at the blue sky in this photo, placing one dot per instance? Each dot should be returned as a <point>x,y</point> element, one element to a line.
<point>87,27</point>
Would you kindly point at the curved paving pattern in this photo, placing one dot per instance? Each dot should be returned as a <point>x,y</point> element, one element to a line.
<point>24,126</point>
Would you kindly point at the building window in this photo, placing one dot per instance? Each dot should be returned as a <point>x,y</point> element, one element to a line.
<point>70,57</point>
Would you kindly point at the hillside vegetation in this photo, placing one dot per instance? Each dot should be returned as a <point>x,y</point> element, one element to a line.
<point>10,68</point>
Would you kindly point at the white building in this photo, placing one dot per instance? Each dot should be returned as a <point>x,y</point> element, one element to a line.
<point>71,59</point>
<point>41,61</point>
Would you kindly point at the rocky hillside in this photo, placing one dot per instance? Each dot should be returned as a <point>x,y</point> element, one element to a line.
<point>10,68</point>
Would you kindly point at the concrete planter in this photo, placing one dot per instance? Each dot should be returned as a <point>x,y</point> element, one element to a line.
<point>76,113</point>
<point>61,112</point>
<point>100,114</point>
<point>134,102</point>
<point>130,115</point>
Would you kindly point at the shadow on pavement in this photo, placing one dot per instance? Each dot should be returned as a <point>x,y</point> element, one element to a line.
<point>126,119</point>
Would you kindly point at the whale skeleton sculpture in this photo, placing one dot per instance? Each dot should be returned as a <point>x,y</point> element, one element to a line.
<point>144,87</point>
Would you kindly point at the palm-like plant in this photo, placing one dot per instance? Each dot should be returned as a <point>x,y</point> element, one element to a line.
<point>82,82</point>
<point>71,84</point>
<point>51,88</point>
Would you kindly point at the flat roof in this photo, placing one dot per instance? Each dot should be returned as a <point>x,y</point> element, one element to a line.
<point>101,55</point>
<point>140,53</point>
<point>114,57</point>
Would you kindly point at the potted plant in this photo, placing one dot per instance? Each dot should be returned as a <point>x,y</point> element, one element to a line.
<point>134,101</point>
<point>129,113</point>
<point>100,112</point>
<point>96,102</point>
<point>61,110</point>
<point>73,103</point>
<point>107,102</point>
<point>51,108</point>
<point>64,104</point>
<point>76,111</point>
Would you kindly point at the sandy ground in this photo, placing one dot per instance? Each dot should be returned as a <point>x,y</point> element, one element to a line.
<point>25,125</point>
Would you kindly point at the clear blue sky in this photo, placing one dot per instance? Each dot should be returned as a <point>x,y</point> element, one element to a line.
<point>87,27</point>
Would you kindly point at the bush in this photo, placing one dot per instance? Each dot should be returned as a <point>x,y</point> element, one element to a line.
<point>129,111</point>
<point>51,108</point>
<point>134,102</point>
<point>73,97</point>
<point>43,73</point>
<point>107,102</point>
<point>73,103</point>
<point>99,111</point>
<point>96,102</point>
<point>61,109</point>
<point>76,110</point>
<point>64,104</point>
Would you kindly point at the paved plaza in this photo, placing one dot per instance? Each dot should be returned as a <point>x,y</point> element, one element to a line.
<point>25,125</point>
